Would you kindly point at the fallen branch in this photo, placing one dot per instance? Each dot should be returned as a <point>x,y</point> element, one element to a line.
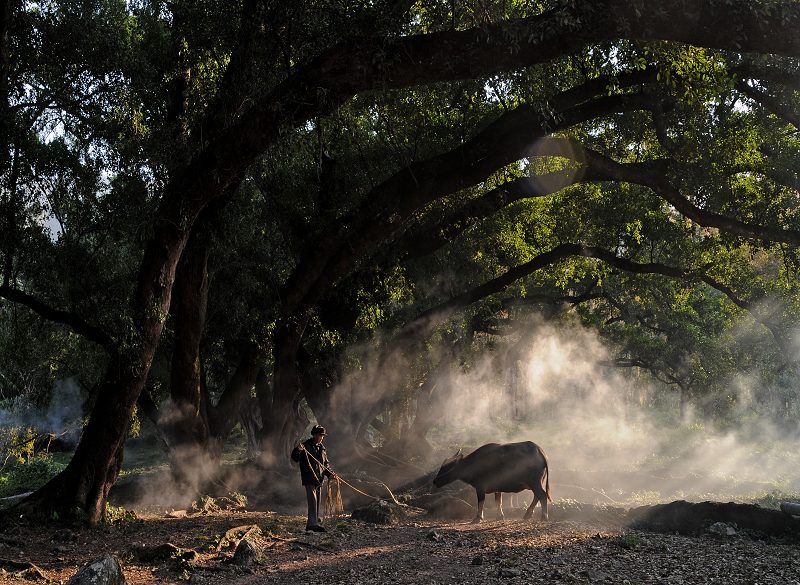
<point>593,490</point>
<point>790,508</point>
<point>23,568</point>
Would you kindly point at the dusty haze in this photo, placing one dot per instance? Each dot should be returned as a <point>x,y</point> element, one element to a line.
<point>609,434</point>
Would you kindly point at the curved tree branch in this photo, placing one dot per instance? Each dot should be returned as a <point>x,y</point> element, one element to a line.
<point>654,176</point>
<point>387,207</point>
<point>73,321</point>
<point>323,84</point>
<point>428,319</point>
<point>770,102</point>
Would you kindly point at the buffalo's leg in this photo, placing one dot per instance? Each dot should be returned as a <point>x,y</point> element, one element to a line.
<point>545,515</point>
<point>539,495</point>
<point>498,498</point>
<point>481,500</point>
<point>529,513</point>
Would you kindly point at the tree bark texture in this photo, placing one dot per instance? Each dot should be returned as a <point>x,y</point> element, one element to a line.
<point>189,424</point>
<point>278,410</point>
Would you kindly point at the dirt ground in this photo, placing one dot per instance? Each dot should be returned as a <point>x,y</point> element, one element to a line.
<point>418,550</point>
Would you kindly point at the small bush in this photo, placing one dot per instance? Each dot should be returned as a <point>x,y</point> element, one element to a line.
<point>17,443</point>
<point>19,477</point>
<point>629,541</point>
<point>116,514</point>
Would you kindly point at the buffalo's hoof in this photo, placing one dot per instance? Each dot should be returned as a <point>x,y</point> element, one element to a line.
<point>476,521</point>
<point>526,517</point>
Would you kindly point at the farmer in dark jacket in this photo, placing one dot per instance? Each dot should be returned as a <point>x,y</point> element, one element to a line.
<point>314,466</point>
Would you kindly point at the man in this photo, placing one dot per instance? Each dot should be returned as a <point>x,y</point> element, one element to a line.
<point>314,466</point>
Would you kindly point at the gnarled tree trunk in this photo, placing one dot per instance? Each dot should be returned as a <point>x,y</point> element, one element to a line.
<point>279,408</point>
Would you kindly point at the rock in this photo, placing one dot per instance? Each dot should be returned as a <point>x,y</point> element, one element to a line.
<point>477,560</point>
<point>246,553</point>
<point>434,536</point>
<point>792,508</point>
<point>722,529</point>
<point>64,535</point>
<point>102,571</point>
<point>378,512</point>
<point>509,572</point>
<point>691,518</point>
<point>164,552</point>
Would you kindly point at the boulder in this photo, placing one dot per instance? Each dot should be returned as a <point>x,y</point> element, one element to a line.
<point>164,552</point>
<point>101,571</point>
<point>246,553</point>
<point>379,512</point>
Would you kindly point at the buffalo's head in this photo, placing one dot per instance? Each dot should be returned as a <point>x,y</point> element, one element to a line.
<point>446,471</point>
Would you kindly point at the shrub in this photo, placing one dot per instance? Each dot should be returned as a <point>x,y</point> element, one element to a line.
<point>18,477</point>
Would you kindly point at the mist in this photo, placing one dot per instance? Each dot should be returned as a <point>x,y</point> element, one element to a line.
<point>612,435</point>
<point>61,417</point>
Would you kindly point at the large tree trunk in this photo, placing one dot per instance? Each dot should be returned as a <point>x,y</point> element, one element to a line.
<point>224,416</point>
<point>82,488</point>
<point>332,406</point>
<point>427,414</point>
<point>279,409</point>
<point>6,14</point>
<point>198,427</point>
<point>187,426</point>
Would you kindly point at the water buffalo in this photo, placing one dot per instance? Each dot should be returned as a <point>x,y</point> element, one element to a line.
<point>496,468</point>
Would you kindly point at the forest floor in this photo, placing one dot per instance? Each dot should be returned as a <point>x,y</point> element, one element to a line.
<point>417,550</point>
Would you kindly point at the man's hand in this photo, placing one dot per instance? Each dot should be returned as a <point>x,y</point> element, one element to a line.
<point>301,447</point>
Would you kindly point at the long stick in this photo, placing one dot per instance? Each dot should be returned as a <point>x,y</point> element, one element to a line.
<point>354,488</point>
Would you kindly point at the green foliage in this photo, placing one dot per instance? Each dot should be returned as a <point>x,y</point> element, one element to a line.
<point>628,541</point>
<point>17,443</point>
<point>119,515</point>
<point>18,477</point>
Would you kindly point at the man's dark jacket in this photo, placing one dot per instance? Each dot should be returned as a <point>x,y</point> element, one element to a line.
<point>312,472</point>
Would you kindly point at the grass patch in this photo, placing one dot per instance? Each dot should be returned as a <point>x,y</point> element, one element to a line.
<point>629,541</point>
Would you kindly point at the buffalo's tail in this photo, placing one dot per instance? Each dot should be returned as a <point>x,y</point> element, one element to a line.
<point>547,476</point>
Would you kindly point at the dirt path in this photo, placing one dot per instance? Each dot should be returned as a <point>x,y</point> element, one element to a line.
<point>417,551</point>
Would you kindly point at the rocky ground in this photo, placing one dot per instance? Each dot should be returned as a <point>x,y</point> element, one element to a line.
<point>416,550</point>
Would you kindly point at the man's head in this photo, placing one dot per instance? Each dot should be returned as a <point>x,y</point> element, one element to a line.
<point>318,433</point>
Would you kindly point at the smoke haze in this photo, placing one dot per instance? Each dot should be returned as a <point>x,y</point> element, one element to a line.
<point>61,417</point>
<point>609,434</point>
